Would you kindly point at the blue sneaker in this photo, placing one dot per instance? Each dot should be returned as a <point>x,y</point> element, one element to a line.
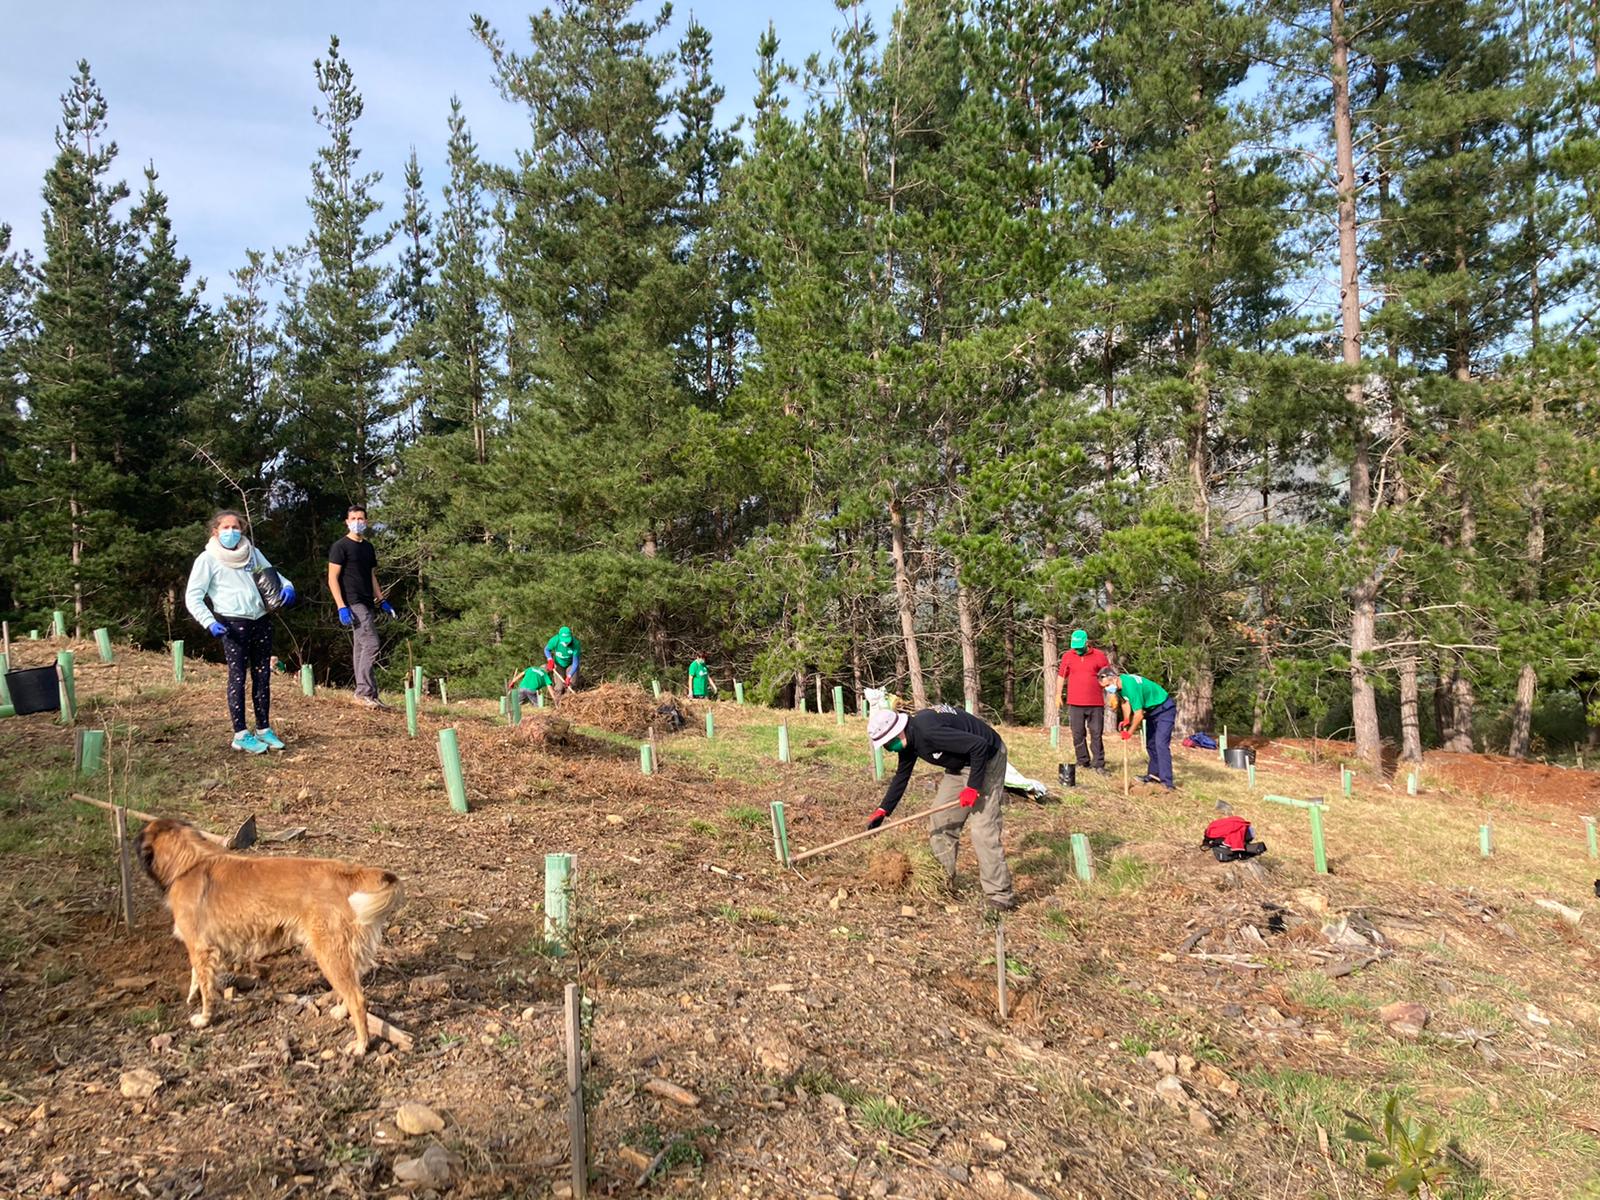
<point>249,743</point>
<point>273,742</point>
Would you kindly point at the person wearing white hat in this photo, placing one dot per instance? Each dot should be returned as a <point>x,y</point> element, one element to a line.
<point>974,760</point>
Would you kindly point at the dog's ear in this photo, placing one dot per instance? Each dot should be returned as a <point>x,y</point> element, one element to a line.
<point>145,844</point>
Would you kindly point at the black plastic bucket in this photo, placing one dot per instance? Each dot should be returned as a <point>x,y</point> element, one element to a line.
<point>34,690</point>
<point>1240,757</point>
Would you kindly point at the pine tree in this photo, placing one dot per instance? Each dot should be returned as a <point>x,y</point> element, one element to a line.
<point>411,295</point>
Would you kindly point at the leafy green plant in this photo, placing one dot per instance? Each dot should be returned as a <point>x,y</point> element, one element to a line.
<point>1411,1157</point>
<point>746,816</point>
<point>885,1115</point>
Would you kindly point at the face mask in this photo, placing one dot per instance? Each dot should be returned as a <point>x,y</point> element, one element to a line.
<point>230,538</point>
<point>895,744</point>
<point>1111,689</point>
<point>357,526</point>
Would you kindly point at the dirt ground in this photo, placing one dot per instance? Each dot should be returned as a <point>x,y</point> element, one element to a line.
<point>1176,1027</point>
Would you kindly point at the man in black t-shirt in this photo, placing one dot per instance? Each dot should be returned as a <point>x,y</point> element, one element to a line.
<point>353,580</point>
<point>974,760</point>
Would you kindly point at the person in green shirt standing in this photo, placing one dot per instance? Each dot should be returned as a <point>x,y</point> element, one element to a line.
<point>699,678</point>
<point>561,653</point>
<point>1142,701</point>
<point>533,680</point>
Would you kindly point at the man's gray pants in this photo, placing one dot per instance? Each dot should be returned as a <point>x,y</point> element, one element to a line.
<point>983,825</point>
<point>364,625</point>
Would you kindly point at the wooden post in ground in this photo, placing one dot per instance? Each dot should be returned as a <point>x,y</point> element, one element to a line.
<point>1125,763</point>
<point>576,1124</point>
<point>119,824</point>
<point>5,639</point>
<point>1000,967</point>
<point>102,639</point>
<point>1222,745</point>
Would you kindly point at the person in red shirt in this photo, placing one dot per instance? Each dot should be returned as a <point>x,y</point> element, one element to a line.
<point>1086,706</point>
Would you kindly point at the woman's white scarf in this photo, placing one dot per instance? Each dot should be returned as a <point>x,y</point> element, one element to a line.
<point>237,557</point>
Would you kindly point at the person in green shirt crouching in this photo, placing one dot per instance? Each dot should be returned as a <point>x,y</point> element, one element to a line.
<point>533,681</point>
<point>1142,701</point>
<point>700,678</point>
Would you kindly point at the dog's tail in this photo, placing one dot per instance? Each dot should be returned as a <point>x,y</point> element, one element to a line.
<point>379,896</point>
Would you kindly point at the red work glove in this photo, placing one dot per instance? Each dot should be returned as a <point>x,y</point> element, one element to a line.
<point>968,797</point>
<point>877,819</point>
<point>1125,734</point>
<point>1122,724</point>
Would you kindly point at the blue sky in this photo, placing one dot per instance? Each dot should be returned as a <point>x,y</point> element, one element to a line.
<point>219,95</point>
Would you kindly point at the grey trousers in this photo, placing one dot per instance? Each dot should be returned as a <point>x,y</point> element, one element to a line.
<point>983,825</point>
<point>364,624</point>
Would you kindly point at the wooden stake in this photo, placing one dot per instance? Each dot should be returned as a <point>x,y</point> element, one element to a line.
<point>558,870</point>
<point>780,834</point>
<point>177,660</point>
<point>783,742</point>
<point>411,710</point>
<point>1319,849</point>
<point>102,638</point>
<point>1082,860</point>
<point>575,1118</point>
<point>1000,967</point>
<point>119,823</point>
<point>450,759</point>
<point>308,680</point>
<point>856,837</point>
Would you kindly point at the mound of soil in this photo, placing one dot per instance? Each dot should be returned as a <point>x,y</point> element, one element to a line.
<point>888,869</point>
<point>624,708</point>
<point>545,730</point>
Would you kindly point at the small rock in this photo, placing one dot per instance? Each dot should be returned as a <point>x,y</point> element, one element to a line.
<point>908,910</point>
<point>1161,1061</point>
<point>161,1043</point>
<point>879,1189</point>
<point>60,1181</point>
<point>140,1083</point>
<point>491,1027</point>
<point>1405,1018</point>
<point>613,819</point>
<point>992,1144</point>
<point>209,785</point>
<point>671,1091</point>
<point>303,794</point>
<point>1310,900</point>
<point>1534,1016</point>
<point>1170,1092</point>
<point>1186,1066</point>
<point>133,983</point>
<point>527,1013</point>
<point>429,986</point>
<point>417,1119</point>
<point>385,1133</point>
<point>433,1169</point>
<point>633,1158</point>
<point>1201,1121</point>
<point>1233,1011</point>
<point>833,1104</point>
<point>1216,1078</point>
<point>837,900</point>
<point>328,1055</point>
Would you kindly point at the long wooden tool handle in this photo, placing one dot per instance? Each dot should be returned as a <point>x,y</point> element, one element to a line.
<point>856,837</point>
<point>132,812</point>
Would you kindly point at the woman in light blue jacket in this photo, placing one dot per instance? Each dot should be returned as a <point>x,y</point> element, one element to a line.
<point>224,573</point>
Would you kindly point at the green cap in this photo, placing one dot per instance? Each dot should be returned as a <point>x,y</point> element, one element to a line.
<point>1080,640</point>
<point>565,633</point>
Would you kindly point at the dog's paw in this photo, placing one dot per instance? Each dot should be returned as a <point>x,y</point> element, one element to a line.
<point>200,1020</point>
<point>357,1048</point>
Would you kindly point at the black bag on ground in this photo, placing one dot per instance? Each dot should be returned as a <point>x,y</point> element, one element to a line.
<point>270,584</point>
<point>673,715</point>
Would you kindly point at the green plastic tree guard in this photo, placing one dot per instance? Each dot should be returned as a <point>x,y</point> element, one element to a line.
<point>1055,735</point>
<point>780,834</point>
<point>33,635</point>
<point>503,703</point>
<point>538,697</point>
<point>177,660</point>
<point>655,686</point>
<point>1347,780</point>
<point>1411,783</point>
<point>94,745</point>
<point>711,726</point>
<point>838,705</point>
<point>444,694</point>
<point>411,712</point>
<point>1319,848</point>
<point>418,684</point>
<point>802,705</point>
<point>1594,843</point>
<point>1082,860</point>
<point>877,763</point>
<point>69,688</point>
<point>308,680</point>
<point>738,692</point>
<point>58,624</point>
<point>450,760</point>
<point>783,743</point>
<point>647,759</point>
<point>1250,775</point>
<point>102,639</point>
<point>1486,839</point>
<point>558,872</point>
<point>514,707</point>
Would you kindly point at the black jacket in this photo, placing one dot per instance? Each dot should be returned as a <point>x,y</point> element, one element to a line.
<point>947,737</point>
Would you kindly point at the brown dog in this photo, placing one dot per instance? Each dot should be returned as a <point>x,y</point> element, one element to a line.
<point>230,909</point>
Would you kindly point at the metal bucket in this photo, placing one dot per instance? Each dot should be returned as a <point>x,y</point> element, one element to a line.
<point>1240,757</point>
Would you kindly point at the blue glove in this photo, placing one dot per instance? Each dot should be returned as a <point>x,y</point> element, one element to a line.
<point>387,607</point>
<point>289,595</point>
<point>344,616</point>
<point>217,628</point>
